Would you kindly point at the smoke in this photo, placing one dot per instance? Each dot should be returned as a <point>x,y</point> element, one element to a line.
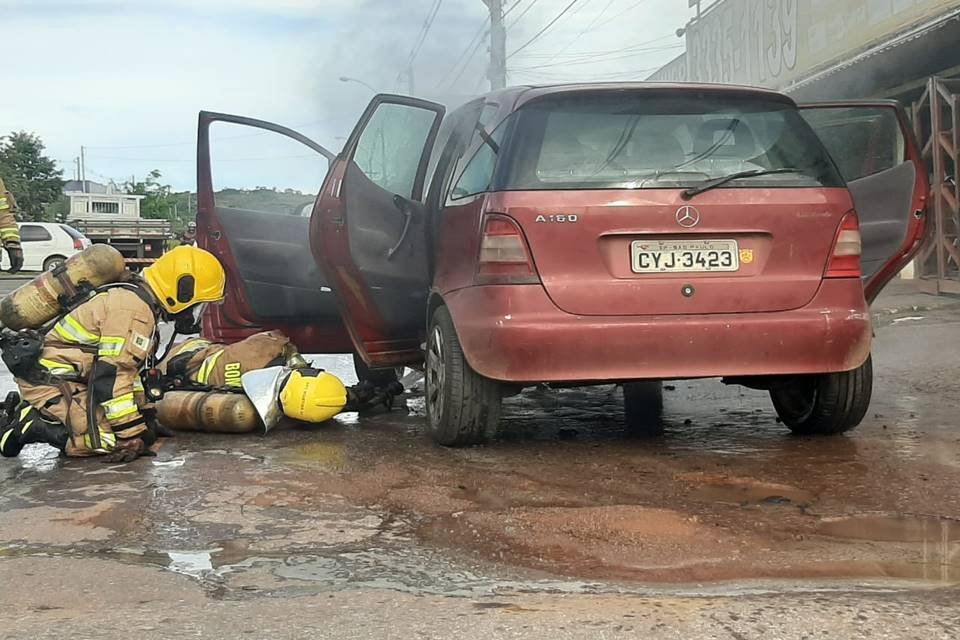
<point>374,43</point>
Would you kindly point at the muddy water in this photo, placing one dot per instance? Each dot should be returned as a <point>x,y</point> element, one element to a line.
<point>564,502</point>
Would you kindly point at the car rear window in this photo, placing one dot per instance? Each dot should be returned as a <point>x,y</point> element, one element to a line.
<point>650,139</point>
<point>73,233</point>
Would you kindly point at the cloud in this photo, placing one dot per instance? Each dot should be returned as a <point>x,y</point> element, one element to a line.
<point>127,78</point>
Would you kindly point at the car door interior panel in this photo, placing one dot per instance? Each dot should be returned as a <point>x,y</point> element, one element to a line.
<point>881,200</point>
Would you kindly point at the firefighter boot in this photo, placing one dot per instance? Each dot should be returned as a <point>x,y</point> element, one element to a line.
<point>24,425</point>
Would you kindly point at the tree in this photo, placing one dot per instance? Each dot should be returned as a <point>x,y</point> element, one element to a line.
<point>159,201</point>
<point>32,177</point>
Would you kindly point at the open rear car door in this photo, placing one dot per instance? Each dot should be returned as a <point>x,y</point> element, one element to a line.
<point>371,233</point>
<point>260,234</point>
<point>873,145</point>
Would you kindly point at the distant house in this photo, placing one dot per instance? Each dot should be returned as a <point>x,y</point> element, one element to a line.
<point>92,199</point>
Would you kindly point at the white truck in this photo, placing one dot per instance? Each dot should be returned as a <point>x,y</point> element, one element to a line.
<point>114,218</point>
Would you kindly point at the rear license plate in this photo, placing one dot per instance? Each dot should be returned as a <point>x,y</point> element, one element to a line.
<point>681,256</point>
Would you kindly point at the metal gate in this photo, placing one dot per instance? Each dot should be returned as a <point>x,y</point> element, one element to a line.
<point>936,120</point>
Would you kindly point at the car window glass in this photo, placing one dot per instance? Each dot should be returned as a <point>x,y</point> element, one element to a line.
<point>262,171</point>
<point>861,140</point>
<point>486,120</point>
<point>73,233</point>
<point>477,175</point>
<point>34,233</point>
<point>446,148</point>
<point>662,140</point>
<point>390,148</point>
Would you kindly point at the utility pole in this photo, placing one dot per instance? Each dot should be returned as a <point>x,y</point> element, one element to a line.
<point>497,73</point>
<point>83,169</point>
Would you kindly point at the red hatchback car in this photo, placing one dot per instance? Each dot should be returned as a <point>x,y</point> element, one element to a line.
<point>588,234</point>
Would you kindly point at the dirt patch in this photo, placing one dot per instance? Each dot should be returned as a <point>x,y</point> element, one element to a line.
<point>49,525</point>
<point>734,490</point>
<point>893,528</point>
<point>609,541</point>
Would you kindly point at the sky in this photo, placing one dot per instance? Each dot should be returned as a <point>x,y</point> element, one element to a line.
<point>126,78</point>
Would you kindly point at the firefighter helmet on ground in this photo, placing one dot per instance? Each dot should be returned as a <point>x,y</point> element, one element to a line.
<point>312,395</point>
<point>185,276</point>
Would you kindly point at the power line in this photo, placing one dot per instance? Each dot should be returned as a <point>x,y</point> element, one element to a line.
<point>483,30</point>
<point>512,7</point>
<point>580,54</point>
<point>597,59</point>
<point>425,30</point>
<point>522,13</point>
<point>585,29</point>
<point>466,62</point>
<point>628,9</point>
<point>544,30</point>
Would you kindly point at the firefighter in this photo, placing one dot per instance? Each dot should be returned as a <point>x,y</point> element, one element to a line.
<point>202,362</point>
<point>189,236</point>
<point>209,369</point>
<point>83,398</point>
<point>9,232</point>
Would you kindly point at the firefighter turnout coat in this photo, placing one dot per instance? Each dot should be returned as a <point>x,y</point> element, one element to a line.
<point>101,345</point>
<point>218,365</point>
<point>9,232</point>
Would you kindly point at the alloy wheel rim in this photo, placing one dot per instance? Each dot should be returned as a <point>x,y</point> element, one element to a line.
<point>436,375</point>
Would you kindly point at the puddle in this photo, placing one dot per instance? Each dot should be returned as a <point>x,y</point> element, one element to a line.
<point>746,491</point>
<point>894,528</point>
<point>328,455</point>
<point>193,563</point>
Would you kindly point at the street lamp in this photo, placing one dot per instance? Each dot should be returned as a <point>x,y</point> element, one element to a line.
<point>349,79</point>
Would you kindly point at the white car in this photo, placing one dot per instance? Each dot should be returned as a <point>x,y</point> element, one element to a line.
<point>47,245</point>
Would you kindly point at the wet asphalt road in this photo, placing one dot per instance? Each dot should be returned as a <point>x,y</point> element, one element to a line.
<point>726,527</point>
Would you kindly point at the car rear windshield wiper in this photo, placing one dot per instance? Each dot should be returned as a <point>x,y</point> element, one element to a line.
<point>716,182</point>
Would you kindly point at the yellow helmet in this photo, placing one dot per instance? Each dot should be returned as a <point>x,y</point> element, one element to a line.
<point>185,276</point>
<point>311,395</point>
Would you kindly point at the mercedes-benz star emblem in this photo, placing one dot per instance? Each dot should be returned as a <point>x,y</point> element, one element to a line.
<point>688,216</point>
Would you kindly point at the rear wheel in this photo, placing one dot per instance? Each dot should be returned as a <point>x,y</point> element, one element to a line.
<point>53,262</point>
<point>643,408</point>
<point>463,407</point>
<point>825,404</point>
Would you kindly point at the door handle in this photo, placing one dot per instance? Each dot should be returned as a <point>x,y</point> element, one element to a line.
<point>405,207</point>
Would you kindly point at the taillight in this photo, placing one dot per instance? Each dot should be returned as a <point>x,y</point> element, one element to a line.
<point>504,257</point>
<point>845,261</point>
<point>78,244</point>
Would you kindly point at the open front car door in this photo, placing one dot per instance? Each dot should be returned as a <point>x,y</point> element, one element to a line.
<point>874,148</point>
<point>256,190</point>
<point>371,234</point>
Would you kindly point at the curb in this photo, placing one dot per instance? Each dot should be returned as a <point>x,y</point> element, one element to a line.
<point>913,308</point>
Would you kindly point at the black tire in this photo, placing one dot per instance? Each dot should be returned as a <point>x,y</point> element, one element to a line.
<point>377,377</point>
<point>463,407</point>
<point>53,262</point>
<point>825,404</point>
<point>643,408</point>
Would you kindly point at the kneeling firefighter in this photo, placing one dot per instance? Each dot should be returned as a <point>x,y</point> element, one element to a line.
<point>251,384</point>
<point>83,334</point>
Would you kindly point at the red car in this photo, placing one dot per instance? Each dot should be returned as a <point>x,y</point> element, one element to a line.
<point>588,234</point>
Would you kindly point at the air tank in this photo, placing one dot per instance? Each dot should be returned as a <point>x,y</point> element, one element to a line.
<point>37,302</point>
<point>208,411</point>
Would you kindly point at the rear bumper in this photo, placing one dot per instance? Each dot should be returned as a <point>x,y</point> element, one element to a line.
<point>516,334</point>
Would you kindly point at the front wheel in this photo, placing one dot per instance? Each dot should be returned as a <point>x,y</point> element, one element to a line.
<point>825,404</point>
<point>463,407</point>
